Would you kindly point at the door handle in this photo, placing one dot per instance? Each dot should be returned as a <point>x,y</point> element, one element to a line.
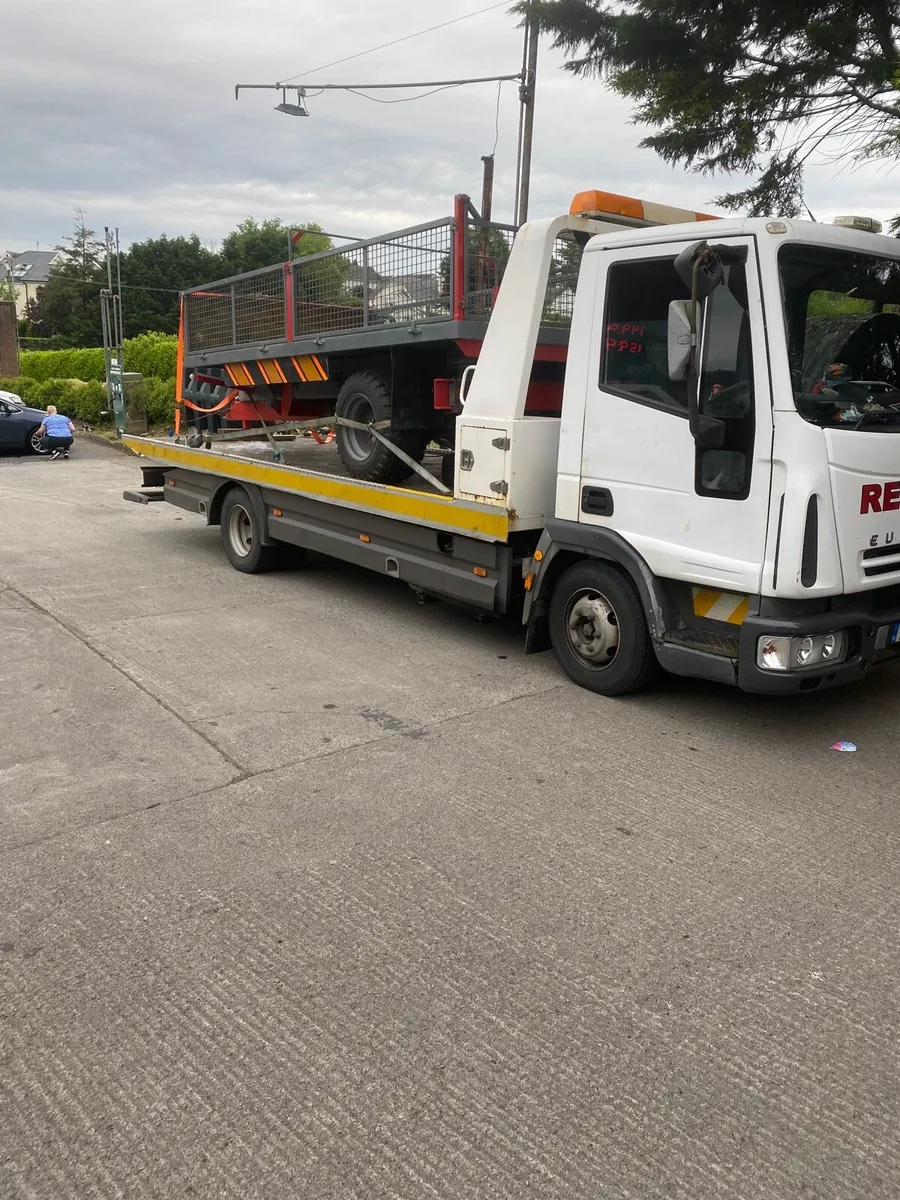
<point>597,501</point>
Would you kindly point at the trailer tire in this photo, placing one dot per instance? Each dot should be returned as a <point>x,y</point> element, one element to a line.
<point>599,632</point>
<point>366,397</point>
<point>448,470</point>
<point>242,539</point>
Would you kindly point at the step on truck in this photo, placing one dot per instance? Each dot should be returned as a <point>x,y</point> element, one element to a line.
<point>710,487</point>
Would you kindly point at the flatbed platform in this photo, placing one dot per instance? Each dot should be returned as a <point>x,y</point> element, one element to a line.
<point>317,472</point>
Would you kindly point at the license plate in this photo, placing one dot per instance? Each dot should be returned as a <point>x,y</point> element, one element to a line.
<point>894,634</point>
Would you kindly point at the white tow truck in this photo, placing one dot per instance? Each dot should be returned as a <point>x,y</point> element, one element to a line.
<point>717,495</point>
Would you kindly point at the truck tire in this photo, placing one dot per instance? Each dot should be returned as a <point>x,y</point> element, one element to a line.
<point>599,632</point>
<point>366,397</point>
<point>242,537</point>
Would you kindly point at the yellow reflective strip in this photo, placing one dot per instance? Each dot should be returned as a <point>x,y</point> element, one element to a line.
<point>740,613</point>
<point>443,512</point>
<point>704,601</point>
<point>240,375</point>
<point>311,367</point>
<point>300,370</point>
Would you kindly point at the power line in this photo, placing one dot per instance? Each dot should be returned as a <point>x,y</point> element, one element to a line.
<point>396,42</point>
<point>403,99</point>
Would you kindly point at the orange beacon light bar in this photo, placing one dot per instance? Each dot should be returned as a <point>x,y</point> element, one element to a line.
<point>608,206</point>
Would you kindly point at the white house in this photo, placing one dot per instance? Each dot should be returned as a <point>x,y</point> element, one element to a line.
<point>410,298</point>
<point>28,272</point>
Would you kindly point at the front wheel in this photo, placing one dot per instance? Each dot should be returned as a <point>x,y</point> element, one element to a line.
<point>598,630</point>
<point>242,535</point>
<point>34,443</point>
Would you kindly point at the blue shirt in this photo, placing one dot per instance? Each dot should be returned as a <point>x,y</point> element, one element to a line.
<point>57,426</point>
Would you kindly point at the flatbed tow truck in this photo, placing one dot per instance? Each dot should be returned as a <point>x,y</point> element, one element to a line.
<point>718,494</point>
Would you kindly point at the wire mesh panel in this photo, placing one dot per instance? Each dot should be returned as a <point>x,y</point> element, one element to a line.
<point>329,291</point>
<point>488,246</point>
<point>559,299</point>
<point>412,273</point>
<point>259,308</point>
<point>401,279</point>
<point>208,315</point>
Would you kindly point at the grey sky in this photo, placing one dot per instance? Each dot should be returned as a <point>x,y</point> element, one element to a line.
<point>127,111</point>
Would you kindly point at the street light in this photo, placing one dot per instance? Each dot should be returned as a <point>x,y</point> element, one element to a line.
<point>293,110</point>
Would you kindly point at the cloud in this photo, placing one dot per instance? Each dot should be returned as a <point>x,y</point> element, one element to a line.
<point>128,112</point>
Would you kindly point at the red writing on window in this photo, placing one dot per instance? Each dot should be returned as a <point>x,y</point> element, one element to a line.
<point>621,337</point>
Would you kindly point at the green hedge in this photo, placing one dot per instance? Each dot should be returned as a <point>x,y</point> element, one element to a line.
<point>153,354</point>
<point>160,397</point>
<point>88,401</point>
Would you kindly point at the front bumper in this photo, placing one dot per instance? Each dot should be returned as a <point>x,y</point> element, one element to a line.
<point>867,647</point>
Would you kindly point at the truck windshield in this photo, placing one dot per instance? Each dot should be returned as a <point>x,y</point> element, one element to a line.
<point>843,322</point>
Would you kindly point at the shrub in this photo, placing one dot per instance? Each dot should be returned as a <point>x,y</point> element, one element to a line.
<point>152,354</point>
<point>160,398</point>
<point>60,392</point>
<point>20,386</point>
<point>89,402</point>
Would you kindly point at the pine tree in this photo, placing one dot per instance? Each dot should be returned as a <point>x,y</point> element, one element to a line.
<point>69,303</point>
<point>745,85</point>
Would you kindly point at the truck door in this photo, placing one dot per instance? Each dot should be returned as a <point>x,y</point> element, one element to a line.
<point>694,514</point>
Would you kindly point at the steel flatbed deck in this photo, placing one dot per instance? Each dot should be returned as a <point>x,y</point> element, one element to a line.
<point>316,472</point>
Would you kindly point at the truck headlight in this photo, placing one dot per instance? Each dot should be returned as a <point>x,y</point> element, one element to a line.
<point>777,653</point>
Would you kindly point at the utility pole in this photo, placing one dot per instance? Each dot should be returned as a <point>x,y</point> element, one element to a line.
<point>487,186</point>
<point>482,254</point>
<point>111,321</point>
<point>526,120</point>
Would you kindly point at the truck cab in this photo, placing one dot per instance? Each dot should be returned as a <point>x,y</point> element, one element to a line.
<point>728,442</point>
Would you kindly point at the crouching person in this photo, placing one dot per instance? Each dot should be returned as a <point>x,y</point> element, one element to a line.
<point>57,433</point>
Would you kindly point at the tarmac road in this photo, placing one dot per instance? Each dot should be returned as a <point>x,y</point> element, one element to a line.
<point>309,891</point>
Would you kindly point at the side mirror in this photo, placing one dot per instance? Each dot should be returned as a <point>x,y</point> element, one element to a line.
<point>679,335</point>
<point>700,268</point>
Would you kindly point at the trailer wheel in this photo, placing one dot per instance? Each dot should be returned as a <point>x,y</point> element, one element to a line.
<point>448,470</point>
<point>598,630</point>
<point>242,537</point>
<point>365,397</point>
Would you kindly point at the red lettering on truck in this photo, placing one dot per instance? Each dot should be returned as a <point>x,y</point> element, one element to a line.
<point>880,497</point>
<point>871,498</point>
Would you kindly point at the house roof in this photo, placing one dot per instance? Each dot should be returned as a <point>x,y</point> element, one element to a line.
<point>421,289</point>
<point>355,275</point>
<point>31,266</point>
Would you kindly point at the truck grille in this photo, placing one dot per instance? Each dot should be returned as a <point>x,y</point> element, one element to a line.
<point>881,560</point>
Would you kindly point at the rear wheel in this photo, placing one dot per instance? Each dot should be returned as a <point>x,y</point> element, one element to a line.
<point>242,536</point>
<point>366,398</point>
<point>598,630</point>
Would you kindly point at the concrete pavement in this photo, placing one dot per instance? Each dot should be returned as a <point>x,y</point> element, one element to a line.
<point>306,890</point>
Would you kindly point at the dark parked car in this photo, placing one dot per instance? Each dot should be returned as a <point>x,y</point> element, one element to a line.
<point>19,425</point>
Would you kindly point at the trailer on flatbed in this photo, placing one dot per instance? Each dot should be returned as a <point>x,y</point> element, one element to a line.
<point>380,330</point>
